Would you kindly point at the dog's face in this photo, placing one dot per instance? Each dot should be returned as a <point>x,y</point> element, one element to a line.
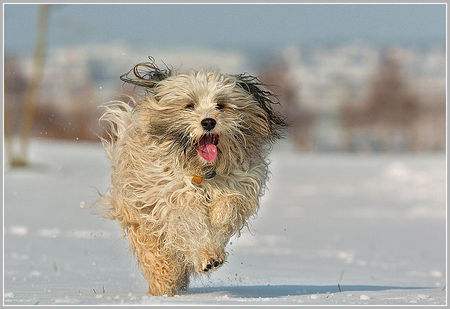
<point>208,121</point>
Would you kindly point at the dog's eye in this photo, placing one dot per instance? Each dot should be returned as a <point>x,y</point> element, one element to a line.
<point>220,106</point>
<point>189,106</point>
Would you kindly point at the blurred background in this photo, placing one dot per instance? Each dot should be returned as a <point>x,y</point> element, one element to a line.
<point>349,77</point>
<point>356,199</point>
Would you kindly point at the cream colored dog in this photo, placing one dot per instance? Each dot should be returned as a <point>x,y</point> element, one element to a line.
<point>188,166</point>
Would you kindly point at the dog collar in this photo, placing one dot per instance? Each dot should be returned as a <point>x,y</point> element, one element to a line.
<point>199,179</point>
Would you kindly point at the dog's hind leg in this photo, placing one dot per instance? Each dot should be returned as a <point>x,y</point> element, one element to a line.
<point>165,273</point>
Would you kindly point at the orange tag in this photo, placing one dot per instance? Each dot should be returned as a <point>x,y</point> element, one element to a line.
<point>197,179</point>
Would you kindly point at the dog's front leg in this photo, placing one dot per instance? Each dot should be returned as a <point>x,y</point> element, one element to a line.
<point>191,234</point>
<point>209,257</point>
<point>229,214</point>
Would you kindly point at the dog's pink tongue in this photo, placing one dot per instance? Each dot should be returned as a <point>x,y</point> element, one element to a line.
<point>206,149</point>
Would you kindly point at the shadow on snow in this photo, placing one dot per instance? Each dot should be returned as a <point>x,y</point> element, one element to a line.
<point>269,291</point>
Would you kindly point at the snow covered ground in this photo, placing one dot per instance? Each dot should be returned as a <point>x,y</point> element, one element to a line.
<point>333,229</point>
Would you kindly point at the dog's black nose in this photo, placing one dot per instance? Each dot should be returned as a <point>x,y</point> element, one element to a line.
<point>208,124</point>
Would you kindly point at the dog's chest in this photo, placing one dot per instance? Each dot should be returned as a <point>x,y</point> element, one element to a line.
<point>218,187</point>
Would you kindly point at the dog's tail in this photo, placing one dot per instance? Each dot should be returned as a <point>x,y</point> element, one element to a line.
<point>115,120</point>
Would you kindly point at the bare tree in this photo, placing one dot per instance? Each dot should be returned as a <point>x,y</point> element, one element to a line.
<point>32,95</point>
<point>279,79</point>
<point>388,113</point>
<point>15,86</point>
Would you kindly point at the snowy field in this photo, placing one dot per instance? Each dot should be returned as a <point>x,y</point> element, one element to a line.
<point>333,229</point>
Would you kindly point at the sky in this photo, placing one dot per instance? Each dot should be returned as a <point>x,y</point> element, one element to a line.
<point>225,26</point>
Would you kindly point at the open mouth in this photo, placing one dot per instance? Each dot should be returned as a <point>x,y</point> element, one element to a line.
<point>207,147</point>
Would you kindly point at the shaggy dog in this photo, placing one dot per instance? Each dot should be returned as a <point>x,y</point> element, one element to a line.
<point>188,166</point>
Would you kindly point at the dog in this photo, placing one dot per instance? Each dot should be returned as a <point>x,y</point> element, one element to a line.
<point>188,167</point>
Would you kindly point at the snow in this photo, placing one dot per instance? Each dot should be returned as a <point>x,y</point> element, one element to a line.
<point>18,230</point>
<point>332,229</point>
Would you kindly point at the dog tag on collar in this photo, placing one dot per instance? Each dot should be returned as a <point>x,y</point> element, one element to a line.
<point>197,179</point>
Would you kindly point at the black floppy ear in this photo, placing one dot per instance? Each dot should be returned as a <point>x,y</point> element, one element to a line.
<point>146,74</point>
<point>265,100</point>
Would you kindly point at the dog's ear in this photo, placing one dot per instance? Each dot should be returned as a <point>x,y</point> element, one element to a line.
<point>265,100</point>
<point>146,74</point>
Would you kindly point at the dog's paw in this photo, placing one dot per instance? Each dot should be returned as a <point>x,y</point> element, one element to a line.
<point>210,260</point>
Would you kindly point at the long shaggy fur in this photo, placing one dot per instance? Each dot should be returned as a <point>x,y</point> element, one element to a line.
<point>177,227</point>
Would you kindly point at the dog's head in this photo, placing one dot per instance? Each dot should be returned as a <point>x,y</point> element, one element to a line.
<point>207,121</point>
